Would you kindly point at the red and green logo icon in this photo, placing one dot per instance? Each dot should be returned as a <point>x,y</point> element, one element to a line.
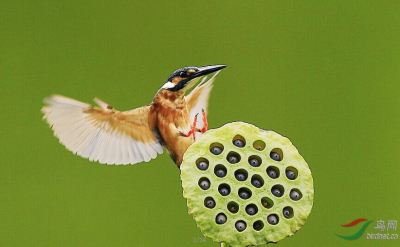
<point>361,224</point>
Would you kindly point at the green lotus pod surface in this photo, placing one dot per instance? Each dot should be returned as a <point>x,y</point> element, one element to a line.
<point>246,186</point>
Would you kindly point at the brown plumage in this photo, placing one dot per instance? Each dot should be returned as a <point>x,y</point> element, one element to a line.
<point>109,136</point>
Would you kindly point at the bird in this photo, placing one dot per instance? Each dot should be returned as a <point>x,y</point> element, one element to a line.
<point>106,135</point>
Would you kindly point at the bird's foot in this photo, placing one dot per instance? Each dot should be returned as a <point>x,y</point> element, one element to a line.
<point>192,130</point>
<point>205,122</point>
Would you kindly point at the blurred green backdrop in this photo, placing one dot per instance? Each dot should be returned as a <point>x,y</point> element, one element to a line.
<point>324,73</point>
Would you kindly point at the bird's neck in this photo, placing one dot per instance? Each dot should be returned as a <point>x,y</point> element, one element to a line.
<point>169,99</point>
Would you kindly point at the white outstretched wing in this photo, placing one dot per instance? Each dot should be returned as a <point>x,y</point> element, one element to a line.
<point>102,134</point>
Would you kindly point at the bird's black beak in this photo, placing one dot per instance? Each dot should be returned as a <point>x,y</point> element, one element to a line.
<point>191,76</point>
<point>205,70</point>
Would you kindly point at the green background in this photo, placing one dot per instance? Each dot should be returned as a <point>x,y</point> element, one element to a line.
<point>325,74</point>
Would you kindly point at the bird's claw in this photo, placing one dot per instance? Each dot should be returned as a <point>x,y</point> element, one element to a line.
<point>205,122</point>
<point>193,129</point>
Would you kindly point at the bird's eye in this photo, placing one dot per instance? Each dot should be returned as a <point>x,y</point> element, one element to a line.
<point>183,74</point>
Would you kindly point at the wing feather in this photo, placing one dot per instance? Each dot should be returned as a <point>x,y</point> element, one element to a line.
<point>197,99</point>
<point>102,134</point>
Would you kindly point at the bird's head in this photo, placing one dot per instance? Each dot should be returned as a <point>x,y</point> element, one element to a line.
<point>183,79</point>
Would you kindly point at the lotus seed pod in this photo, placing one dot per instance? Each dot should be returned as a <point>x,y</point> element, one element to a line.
<point>253,189</point>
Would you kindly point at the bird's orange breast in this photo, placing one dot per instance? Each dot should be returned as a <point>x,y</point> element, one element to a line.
<point>172,116</point>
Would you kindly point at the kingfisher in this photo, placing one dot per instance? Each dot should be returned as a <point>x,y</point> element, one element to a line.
<point>102,133</point>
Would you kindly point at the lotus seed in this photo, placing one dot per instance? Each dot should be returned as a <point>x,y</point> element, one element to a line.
<point>241,175</point>
<point>220,219</point>
<point>202,165</point>
<point>258,225</point>
<point>277,190</point>
<point>224,189</point>
<point>240,225</point>
<point>209,202</point>
<point>273,172</point>
<point>290,174</point>
<point>238,143</point>
<point>257,181</point>
<point>251,209</point>
<point>288,212</point>
<point>267,202</point>
<point>216,150</point>
<point>233,207</point>
<point>244,193</point>
<point>204,183</point>
<point>259,145</point>
<point>220,171</point>
<point>295,195</point>
<point>273,219</point>
<point>275,156</point>
<point>254,162</point>
<point>233,158</point>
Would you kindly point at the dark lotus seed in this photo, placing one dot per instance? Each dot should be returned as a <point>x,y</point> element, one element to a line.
<point>275,156</point>
<point>257,181</point>
<point>204,183</point>
<point>273,172</point>
<point>224,189</point>
<point>259,145</point>
<point>273,219</point>
<point>233,207</point>
<point>233,158</point>
<point>241,175</point>
<point>209,202</point>
<point>220,171</point>
<point>220,219</point>
<point>288,212</point>
<point>216,150</point>
<point>255,161</point>
<point>267,202</point>
<point>240,226</point>
<point>291,173</point>
<point>238,143</point>
<point>251,209</point>
<point>295,195</point>
<point>202,165</point>
<point>244,193</point>
<point>277,190</point>
<point>258,225</point>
